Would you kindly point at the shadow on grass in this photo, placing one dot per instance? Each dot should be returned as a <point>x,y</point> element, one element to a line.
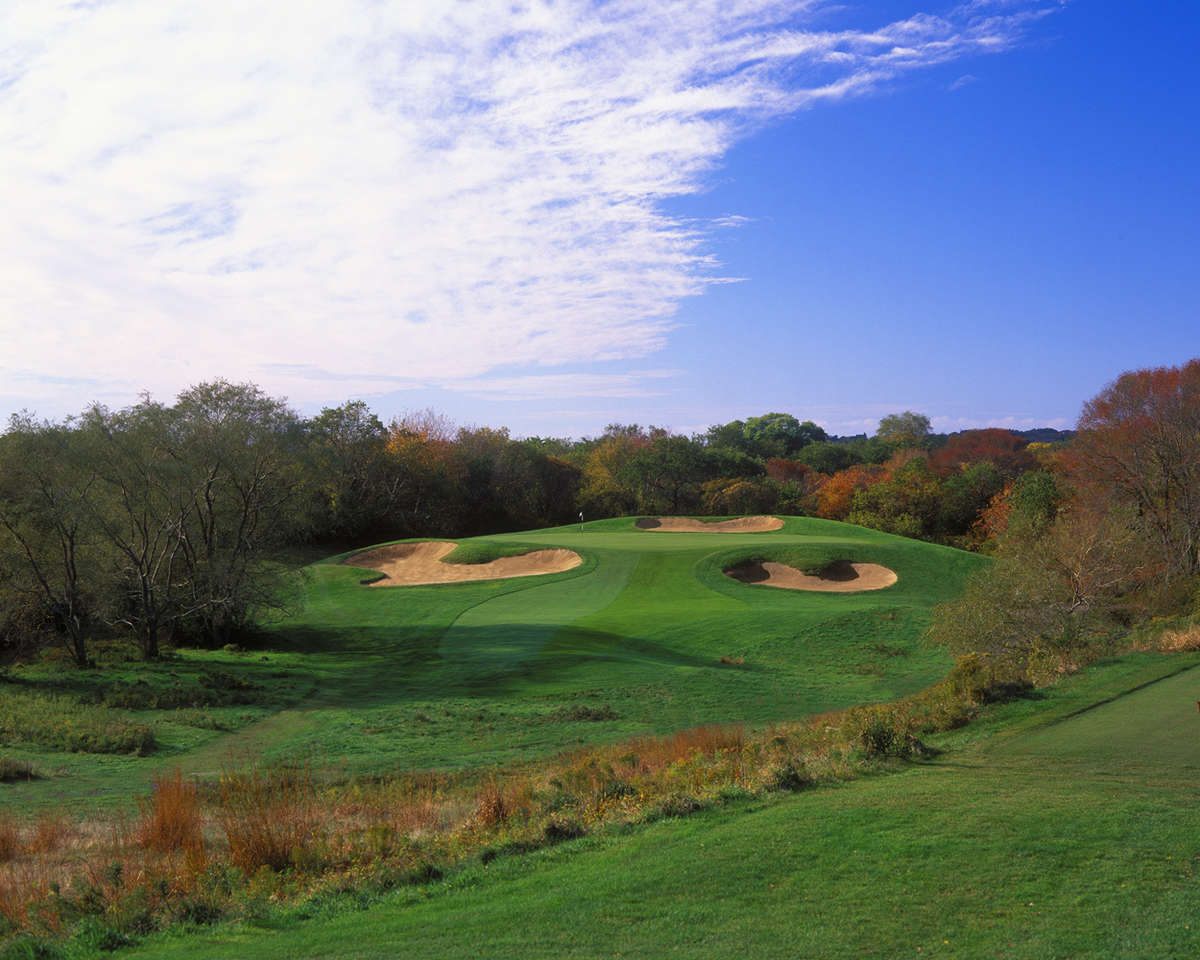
<point>376,666</point>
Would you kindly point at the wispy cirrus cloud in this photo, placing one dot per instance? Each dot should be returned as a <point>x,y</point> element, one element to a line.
<point>398,192</point>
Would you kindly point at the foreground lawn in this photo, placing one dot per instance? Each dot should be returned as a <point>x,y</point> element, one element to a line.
<point>1066,827</point>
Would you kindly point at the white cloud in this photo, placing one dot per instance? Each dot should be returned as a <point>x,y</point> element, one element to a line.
<point>397,192</point>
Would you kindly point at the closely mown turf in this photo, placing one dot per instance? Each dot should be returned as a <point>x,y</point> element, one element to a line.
<point>475,674</point>
<point>1072,834</point>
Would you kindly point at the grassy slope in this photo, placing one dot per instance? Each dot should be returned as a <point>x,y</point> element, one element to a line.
<point>478,673</point>
<point>1064,833</point>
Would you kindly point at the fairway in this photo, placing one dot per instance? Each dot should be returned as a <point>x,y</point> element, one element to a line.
<point>1155,729</point>
<point>647,635</point>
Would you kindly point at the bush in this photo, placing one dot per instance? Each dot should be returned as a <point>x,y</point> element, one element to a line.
<point>13,770</point>
<point>791,777</point>
<point>562,828</point>
<point>881,732</point>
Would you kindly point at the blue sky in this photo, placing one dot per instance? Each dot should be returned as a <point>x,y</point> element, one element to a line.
<point>580,213</point>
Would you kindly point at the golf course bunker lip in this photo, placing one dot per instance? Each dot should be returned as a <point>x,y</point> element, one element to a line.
<point>841,576</point>
<point>760,524</point>
<point>410,564</point>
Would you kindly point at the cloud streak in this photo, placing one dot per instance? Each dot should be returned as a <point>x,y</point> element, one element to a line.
<point>395,191</point>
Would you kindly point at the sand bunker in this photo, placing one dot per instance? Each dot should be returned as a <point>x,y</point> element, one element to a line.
<point>839,577</point>
<point>686,525</point>
<point>408,564</point>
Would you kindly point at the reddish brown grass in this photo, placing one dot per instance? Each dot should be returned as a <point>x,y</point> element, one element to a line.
<point>171,818</point>
<point>10,838</point>
<point>270,818</point>
<point>490,807</point>
<point>50,832</point>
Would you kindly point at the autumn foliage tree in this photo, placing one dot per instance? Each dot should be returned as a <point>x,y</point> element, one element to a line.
<point>835,496</point>
<point>1005,450</point>
<point>1139,442</point>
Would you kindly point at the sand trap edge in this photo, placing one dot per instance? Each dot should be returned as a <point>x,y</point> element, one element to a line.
<point>841,576</point>
<point>755,524</point>
<point>421,563</point>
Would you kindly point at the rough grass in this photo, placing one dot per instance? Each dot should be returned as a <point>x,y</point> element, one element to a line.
<point>63,723</point>
<point>485,551</point>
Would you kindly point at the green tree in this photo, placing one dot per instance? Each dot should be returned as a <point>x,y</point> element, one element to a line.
<point>780,435</point>
<point>906,505</point>
<point>354,488</point>
<point>53,557</point>
<point>139,507</point>
<point>238,458</point>
<point>964,495</point>
<point>905,429</point>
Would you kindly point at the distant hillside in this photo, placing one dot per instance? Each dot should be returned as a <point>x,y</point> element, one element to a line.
<point>1045,435</point>
<point>935,440</point>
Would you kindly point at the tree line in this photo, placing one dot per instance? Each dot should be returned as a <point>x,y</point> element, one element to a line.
<point>165,523</point>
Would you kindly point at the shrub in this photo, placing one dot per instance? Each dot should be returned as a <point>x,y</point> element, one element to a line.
<point>792,777</point>
<point>12,770</point>
<point>676,805</point>
<point>987,682</point>
<point>562,828</point>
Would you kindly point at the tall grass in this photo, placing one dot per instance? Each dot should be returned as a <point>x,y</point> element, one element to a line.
<point>271,818</point>
<point>10,837</point>
<point>171,818</point>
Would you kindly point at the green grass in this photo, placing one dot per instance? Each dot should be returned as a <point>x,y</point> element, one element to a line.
<point>477,674</point>
<point>1069,834</point>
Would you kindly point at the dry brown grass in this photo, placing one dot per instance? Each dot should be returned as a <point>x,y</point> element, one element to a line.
<point>171,817</point>
<point>51,831</point>
<point>1180,641</point>
<point>269,818</point>
<point>656,753</point>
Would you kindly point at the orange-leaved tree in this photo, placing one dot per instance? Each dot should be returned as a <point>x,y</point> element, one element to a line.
<point>1139,441</point>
